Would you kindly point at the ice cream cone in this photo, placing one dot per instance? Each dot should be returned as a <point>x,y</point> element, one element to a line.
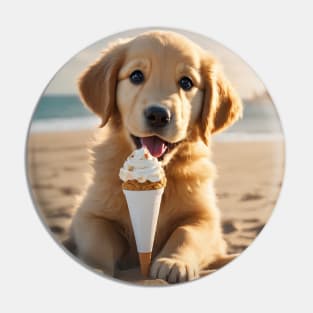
<point>143,185</point>
<point>144,206</point>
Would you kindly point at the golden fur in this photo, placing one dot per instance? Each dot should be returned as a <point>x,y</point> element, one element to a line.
<point>189,236</point>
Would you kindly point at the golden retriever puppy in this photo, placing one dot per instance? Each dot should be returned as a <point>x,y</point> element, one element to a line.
<point>162,91</point>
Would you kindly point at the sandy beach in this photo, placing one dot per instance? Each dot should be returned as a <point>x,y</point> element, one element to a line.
<point>250,177</point>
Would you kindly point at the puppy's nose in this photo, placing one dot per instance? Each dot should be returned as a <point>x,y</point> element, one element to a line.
<point>157,117</point>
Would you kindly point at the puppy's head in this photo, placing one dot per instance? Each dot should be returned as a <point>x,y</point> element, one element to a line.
<point>163,87</point>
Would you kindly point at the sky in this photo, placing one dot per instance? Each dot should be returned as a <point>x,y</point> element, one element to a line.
<point>238,72</point>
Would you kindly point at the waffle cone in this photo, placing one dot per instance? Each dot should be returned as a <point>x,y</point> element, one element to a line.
<point>147,185</point>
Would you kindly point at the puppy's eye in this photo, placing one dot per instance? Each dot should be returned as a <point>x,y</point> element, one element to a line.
<point>185,83</point>
<point>136,77</point>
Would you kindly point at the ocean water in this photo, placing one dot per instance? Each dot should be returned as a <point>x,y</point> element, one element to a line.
<point>66,112</point>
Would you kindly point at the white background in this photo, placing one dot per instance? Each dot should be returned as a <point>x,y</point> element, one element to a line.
<point>274,37</point>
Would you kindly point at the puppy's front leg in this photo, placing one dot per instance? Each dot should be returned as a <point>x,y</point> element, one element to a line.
<point>190,248</point>
<point>98,242</point>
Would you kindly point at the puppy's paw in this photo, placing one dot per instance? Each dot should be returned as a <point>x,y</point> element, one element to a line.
<point>173,270</point>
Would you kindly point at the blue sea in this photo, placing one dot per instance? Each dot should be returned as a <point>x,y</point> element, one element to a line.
<point>55,113</point>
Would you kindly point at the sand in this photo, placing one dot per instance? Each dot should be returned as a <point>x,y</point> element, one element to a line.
<point>250,178</point>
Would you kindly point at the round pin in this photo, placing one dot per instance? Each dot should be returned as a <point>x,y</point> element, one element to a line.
<point>213,162</point>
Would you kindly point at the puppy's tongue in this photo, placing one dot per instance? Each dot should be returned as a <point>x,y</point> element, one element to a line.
<point>155,145</point>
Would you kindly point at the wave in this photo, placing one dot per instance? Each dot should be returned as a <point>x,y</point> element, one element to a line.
<point>63,124</point>
<point>89,123</point>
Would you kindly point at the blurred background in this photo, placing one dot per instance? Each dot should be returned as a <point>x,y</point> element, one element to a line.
<point>60,108</point>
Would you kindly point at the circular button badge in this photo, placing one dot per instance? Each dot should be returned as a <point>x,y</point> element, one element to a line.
<point>155,156</point>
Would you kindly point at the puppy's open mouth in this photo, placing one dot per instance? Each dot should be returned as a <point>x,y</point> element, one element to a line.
<point>156,146</point>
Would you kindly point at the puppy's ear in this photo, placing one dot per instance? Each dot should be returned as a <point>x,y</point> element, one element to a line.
<point>97,85</point>
<point>222,106</point>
